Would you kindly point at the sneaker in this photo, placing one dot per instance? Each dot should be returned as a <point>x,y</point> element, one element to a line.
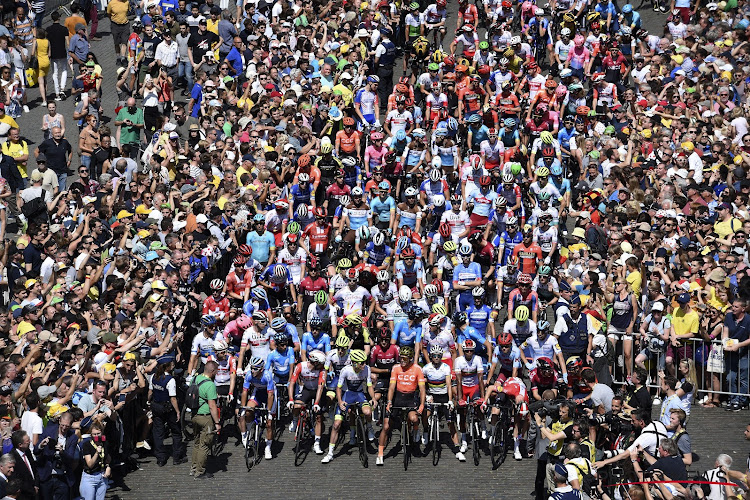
<point>327,458</point>
<point>269,455</point>
<point>44,104</point>
<point>317,449</point>
<point>656,8</point>
<point>657,401</point>
<point>703,400</point>
<point>205,475</point>
<point>517,454</point>
<point>293,426</point>
<point>370,434</point>
<point>464,447</point>
<point>379,460</point>
<point>484,434</point>
<point>491,440</point>
<point>144,445</point>
<point>425,439</point>
<point>663,8</point>
<point>26,109</point>
<point>58,97</point>
<point>460,456</point>
<point>192,472</point>
<point>244,439</point>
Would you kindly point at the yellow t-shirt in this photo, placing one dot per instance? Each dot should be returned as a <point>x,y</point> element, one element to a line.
<point>685,323</point>
<point>16,150</point>
<point>727,227</point>
<point>714,301</point>
<point>635,281</point>
<point>212,26</point>
<point>118,11</point>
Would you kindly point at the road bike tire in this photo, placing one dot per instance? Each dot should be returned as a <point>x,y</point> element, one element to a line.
<point>299,437</point>
<point>362,441</point>
<point>251,448</point>
<point>499,445</point>
<point>186,423</point>
<point>405,440</point>
<point>435,437</point>
<point>475,449</point>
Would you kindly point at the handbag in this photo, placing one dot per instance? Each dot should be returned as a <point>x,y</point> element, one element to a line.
<point>715,362</point>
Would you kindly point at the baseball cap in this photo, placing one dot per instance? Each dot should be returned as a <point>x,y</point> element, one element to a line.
<point>683,298</point>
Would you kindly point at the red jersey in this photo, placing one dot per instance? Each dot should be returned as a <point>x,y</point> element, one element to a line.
<point>384,360</point>
<point>467,14</point>
<point>318,236</point>
<point>528,257</point>
<point>472,99</point>
<point>309,287</point>
<point>210,306</point>
<point>237,285</point>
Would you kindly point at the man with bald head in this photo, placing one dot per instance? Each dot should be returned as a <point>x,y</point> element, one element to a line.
<point>129,123</point>
<point>58,153</point>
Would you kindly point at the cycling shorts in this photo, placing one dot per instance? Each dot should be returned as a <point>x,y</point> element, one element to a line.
<point>471,393</point>
<point>406,399</point>
<point>306,395</point>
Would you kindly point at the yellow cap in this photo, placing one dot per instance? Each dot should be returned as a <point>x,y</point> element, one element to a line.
<point>55,410</point>
<point>143,233</point>
<point>727,75</point>
<point>626,247</point>
<point>579,232</point>
<point>646,133</point>
<point>678,58</point>
<point>688,146</point>
<point>29,283</point>
<point>24,327</point>
<point>129,356</point>
<point>142,210</point>
<point>123,214</point>
<point>109,367</point>
<point>738,159</point>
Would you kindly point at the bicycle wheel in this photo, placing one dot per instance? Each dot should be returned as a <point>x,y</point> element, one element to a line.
<point>362,439</point>
<point>405,440</point>
<point>186,422</point>
<point>298,438</point>
<point>250,446</point>
<point>435,437</point>
<point>475,441</point>
<point>498,448</point>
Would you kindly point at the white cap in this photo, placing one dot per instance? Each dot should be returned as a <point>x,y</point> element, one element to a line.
<point>201,219</point>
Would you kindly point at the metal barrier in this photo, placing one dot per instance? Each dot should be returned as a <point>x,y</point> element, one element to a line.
<point>716,371</point>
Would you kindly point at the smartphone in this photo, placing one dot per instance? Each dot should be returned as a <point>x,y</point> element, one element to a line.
<point>121,398</point>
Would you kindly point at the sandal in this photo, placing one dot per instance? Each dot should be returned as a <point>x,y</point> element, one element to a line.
<point>710,404</point>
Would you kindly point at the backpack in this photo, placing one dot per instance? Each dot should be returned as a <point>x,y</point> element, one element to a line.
<point>36,210</point>
<point>193,397</point>
<point>589,481</point>
<point>596,239</point>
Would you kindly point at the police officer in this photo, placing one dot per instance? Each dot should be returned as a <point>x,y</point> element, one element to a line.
<point>577,332</point>
<point>385,58</point>
<point>163,397</point>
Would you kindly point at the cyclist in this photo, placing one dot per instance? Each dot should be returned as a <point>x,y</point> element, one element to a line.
<point>258,390</point>
<point>256,339</point>
<point>529,254</point>
<point>261,241</point>
<point>469,382</point>
<point>466,275</point>
<point>203,344</point>
<point>410,271</point>
<point>469,333</point>
<point>396,310</point>
<point>357,333</point>
<point>217,305</point>
<point>239,282</point>
<point>280,325</point>
<point>507,241</point>
<point>437,331</point>
<point>277,280</point>
<point>315,339</point>
<point>506,358</point>
<point>524,296</point>
<point>408,332</point>
<point>354,215</point>
<point>543,378</point>
<point>409,213</point>
<point>312,377</point>
<point>366,104</point>
<point>382,359</point>
<point>338,280</point>
<point>480,314</point>
<point>347,140</point>
<point>226,371</point>
<point>311,285</point>
<point>519,326</point>
<point>406,390</point>
<point>294,258</point>
<point>280,361</point>
<point>439,390</point>
<point>513,390</point>
<point>323,310</point>
<point>434,20</point>
<point>354,298</point>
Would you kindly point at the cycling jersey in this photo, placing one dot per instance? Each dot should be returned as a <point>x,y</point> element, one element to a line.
<point>227,367</point>
<point>350,380</point>
<point>216,308</point>
<point>507,360</point>
<point>238,285</point>
<point>261,244</point>
<point>352,301</point>
<point>442,338</point>
<point>367,102</point>
<point>431,189</point>
<point>479,317</point>
<point>336,364</point>
<point>534,349</point>
<point>409,380</point>
<point>265,381</point>
<point>384,359</point>
<point>318,237</point>
<point>358,215</point>
<point>520,331</point>
<point>405,334</point>
<point>311,343</point>
<point>276,282</point>
<point>409,274</point>
<point>469,369</point>
<point>469,333</point>
<point>435,378</point>
<point>294,263</point>
<point>407,217</point>
<point>397,120</point>
<point>280,362</point>
<point>310,377</point>
<point>528,257</point>
<point>258,342</point>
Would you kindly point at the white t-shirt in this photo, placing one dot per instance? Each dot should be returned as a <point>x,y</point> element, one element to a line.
<point>32,423</point>
<point>649,438</point>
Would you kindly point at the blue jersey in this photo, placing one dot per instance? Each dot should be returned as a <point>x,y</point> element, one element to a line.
<point>505,244</point>
<point>357,215</point>
<point>265,381</point>
<point>479,317</point>
<point>564,136</point>
<point>291,333</point>
<point>301,196</point>
<point>280,362</point>
<point>478,135</point>
<point>310,343</point>
<point>405,335</point>
<point>376,256</point>
<point>381,210</point>
<point>261,244</point>
<point>409,274</point>
<point>466,273</point>
<point>478,338</point>
<point>277,283</point>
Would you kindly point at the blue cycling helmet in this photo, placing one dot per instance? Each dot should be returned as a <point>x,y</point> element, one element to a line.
<point>402,243</point>
<point>464,250</point>
<point>208,320</point>
<point>384,185</point>
<point>373,79</point>
<point>260,294</point>
<point>401,135</point>
<point>556,170</point>
<point>509,122</point>
<point>259,218</point>
<point>543,326</point>
<point>278,323</point>
<point>452,124</point>
<point>627,9</point>
<point>474,118</point>
<point>281,337</point>
<point>248,307</point>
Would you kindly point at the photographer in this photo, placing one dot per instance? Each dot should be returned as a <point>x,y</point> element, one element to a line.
<point>558,433</point>
<point>649,434</point>
<point>668,461</point>
<point>581,472</point>
<point>57,458</point>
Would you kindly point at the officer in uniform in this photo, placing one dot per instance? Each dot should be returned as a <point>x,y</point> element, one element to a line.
<point>163,397</point>
<point>577,331</point>
<point>385,58</point>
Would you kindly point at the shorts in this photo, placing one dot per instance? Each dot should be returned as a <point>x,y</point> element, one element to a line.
<point>478,220</point>
<point>369,118</point>
<point>281,379</point>
<point>616,334</point>
<point>260,397</point>
<point>685,351</point>
<point>439,398</point>
<point>120,33</point>
<point>306,395</point>
<point>471,393</point>
<point>406,400</point>
<point>351,398</point>
<point>381,385</point>
<point>658,356</point>
<point>222,390</point>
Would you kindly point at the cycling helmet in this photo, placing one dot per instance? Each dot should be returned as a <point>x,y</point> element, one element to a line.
<point>452,124</point>
<point>256,363</point>
<point>439,284</point>
<point>353,319</point>
<point>542,172</point>
<point>545,270</point>
<point>302,211</point>
<point>383,334</point>
<point>304,160</point>
<point>465,250</point>
<point>216,284</point>
<point>444,229</point>
<point>408,253</point>
<point>373,79</point>
<point>321,298</point>
<point>550,84</point>
<point>430,290</point>
<point>485,180</point>
<point>438,200</point>
<point>578,40</point>
<point>505,338</point>
<point>278,323</point>
<point>524,279</point>
<point>259,316</point>
<point>317,357</point>
<point>384,185</point>
<point>415,313</point>
<point>404,293</point>
<point>326,148</point>
<point>627,8</point>
<point>280,337</point>
<point>260,294</point>
<point>279,271</point>
<point>419,133</point>
<point>475,161</point>
<point>379,239</point>
<point>220,346</point>
<point>508,178</point>
<point>319,212</point>
<point>407,352</point>
<point>544,364</point>
<point>240,260</point>
<point>281,204</point>
<point>450,246</point>
<point>626,31</point>
<point>548,151</point>
<point>245,250</point>
<point>565,32</point>
<point>515,168</point>
<point>363,232</point>
<point>294,228</point>
<point>546,137</point>
<point>556,170</point>
<point>439,309</point>
<point>342,341</point>
<point>344,200</point>
<point>402,243</point>
<point>574,363</point>
<point>582,110</point>
<point>477,291</point>
<point>512,261</point>
<point>521,313</point>
<point>509,122</point>
<point>383,274</point>
<point>389,157</point>
<point>358,356</point>
<point>475,118</point>
<point>411,191</point>
<point>208,320</point>
<point>468,345</point>
<point>512,221</point>
<point>436,350</point>
<point>543,326</point>
<point>244,321</point>
<point>352,274</point>
<point>259,218</point>
<point>348,121</point>
<point>500,202</point>
<point>344,264</point>
<point>460,318</point>
<point>435,175</point>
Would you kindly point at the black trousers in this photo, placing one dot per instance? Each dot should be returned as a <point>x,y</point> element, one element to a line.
<point>164,423</point>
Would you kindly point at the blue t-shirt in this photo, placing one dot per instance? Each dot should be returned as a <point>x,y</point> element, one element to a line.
<point>261,244</point>
<point>197,96</point>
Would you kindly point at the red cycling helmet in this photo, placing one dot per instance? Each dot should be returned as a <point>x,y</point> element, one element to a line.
<point>444,229</point>
<point>408,252</point>
<point>485,180</point>
<point>319,212</point>
<point>439,284</point>
<point>505,338</point>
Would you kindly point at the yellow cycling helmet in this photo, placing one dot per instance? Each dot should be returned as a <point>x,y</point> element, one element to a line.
<point>569,18</point>
<point>521,313</point>
<point>438,56</point>
<point>344,264</point>
<point>440,309</point>
<point>509,53</point>
<point>542,172</point>
<point>326,148</point>
<point>358,356</point>
<point>353,319</point>
<point>342,341</point>
<point>450,246</point>
<point>546,137</point>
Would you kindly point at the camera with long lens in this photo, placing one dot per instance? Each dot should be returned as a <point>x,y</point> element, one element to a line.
<point>546,409</point>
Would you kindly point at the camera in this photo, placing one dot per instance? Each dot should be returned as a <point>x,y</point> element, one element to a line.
<point>546,409</point>
<point>100,439</point>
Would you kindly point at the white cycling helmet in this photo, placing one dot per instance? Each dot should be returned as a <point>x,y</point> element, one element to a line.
<point>515,40</point>
<point>383,275</point>
<point>512,221</point>
<point>279,271</point>
<point>357,191</point>
<point>404,293</point>
<point>477,291</point>
<point>317,357</point>
<point>220,345</point>
<point>410,191</point>
<point>378,239</point>
<point>303,177</point>
<point>431,290</point>
<point>437,162</point>
<point>302,211</point>
<point>436,350</point>
<point>435,174</point>
<point>438,200</point>
<point>508,178</point>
